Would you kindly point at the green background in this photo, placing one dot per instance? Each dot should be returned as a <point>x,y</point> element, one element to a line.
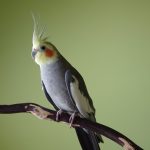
<point>107,41</point>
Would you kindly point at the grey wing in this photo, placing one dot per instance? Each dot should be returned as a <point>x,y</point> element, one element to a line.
<point>78,93</point>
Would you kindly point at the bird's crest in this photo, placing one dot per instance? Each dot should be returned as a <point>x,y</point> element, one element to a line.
<point>38,32</point>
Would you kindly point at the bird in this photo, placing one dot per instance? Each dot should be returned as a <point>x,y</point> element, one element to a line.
<point>64,87</point>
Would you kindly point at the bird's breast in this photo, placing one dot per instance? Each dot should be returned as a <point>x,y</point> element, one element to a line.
<point>53,78</point>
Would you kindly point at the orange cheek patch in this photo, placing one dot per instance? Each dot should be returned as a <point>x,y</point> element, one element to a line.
<point>49,53</point>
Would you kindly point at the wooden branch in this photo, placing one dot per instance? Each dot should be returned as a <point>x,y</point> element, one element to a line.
<point>45,113</point>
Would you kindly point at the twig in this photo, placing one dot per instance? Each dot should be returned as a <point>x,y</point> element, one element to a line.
<point>44,113</point>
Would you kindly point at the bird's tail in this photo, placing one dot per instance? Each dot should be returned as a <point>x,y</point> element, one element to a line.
<point>88,140</point>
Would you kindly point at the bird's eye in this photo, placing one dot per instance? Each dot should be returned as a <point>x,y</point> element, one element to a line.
<point>43,47</point>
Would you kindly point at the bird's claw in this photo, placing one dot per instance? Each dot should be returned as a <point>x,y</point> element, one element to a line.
<point>59,112</point>
<point>71,119</point>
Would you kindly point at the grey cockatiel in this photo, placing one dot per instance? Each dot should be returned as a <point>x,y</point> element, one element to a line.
<point>64,87</point>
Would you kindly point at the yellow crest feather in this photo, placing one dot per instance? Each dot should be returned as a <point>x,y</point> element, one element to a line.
<point>38,32</point>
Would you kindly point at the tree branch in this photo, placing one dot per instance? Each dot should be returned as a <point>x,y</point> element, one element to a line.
<point>45,113</point>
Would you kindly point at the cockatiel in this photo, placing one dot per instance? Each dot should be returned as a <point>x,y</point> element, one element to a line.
<point>64,87</point>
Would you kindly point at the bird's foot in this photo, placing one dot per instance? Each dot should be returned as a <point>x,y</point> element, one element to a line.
<point>71,119</point>
<point>39,112</point>
<point>58,114</point>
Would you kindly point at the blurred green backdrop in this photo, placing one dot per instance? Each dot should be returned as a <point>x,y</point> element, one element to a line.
<point>107,41</point>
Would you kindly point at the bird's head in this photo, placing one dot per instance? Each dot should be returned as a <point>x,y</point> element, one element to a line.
<point>43,52</point>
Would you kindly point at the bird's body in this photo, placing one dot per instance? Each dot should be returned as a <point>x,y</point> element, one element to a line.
<point>64,87</point>
<point>54,79</point>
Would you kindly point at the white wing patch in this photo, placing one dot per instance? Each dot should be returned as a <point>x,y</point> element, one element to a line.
<point>80,100</point>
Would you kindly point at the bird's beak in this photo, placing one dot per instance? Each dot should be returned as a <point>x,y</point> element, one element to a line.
<point>33,53</point>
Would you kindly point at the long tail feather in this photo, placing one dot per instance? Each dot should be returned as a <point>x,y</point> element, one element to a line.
<point>88,140</point>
